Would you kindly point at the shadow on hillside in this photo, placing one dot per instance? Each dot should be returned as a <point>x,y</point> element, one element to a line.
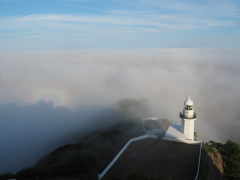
<point>29,132</point>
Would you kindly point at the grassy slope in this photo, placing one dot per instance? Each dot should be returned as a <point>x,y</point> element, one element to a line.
<point>92,154</point>
<point>87,158</point>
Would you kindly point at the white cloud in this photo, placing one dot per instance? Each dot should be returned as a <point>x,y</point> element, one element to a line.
<point>90,78</point>
<point>101,77</point>
<point>204,8</point>
<point>171,22</point>
<point>141,20</point>
<point>73,0</point>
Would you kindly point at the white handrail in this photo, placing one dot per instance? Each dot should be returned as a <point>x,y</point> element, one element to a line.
<point>122,150</point>
<point>199,159</point>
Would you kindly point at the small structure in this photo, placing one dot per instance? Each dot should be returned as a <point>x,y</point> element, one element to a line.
<point>184,132</point>
<point>153,125</point>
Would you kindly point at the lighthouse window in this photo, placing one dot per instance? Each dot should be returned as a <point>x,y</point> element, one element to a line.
<point>187,107</point>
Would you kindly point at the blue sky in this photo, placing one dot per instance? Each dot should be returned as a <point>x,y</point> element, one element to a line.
<point>118,24</point>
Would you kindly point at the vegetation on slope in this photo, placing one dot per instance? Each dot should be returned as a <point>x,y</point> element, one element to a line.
<point>211,164</point>
<point>230,153</point>
<point>88,157</point>
<point>139,176</point>
<point>92,153</point>
<point>75,164</point>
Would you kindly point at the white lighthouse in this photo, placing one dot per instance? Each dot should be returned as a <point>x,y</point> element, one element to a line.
<point>185,132</point>
<point>188,117</point>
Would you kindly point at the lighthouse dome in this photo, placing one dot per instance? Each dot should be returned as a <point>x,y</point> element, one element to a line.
<point>188,102</point>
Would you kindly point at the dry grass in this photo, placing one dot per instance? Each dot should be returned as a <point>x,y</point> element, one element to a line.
<point>158,156</point>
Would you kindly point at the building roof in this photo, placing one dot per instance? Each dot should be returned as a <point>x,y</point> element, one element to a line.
<point>188,101</point>
<point>174,131</point>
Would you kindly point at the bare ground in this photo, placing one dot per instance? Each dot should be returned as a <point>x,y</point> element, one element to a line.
<point>151,156</point>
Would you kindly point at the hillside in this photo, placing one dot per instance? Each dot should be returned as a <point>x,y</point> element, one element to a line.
<point>221,160</point>
<point>92,153</point>
<point>84,160</point>
<point>153,156</point>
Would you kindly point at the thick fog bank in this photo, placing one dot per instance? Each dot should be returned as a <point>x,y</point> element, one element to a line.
<point>80,83</point>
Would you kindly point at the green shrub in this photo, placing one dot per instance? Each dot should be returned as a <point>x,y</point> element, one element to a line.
<point>204,170</point>
<point>231,156</point>
<point>139,176</point>
<point>77,163</point>
<point>6,175</point>
<point>230,152</point>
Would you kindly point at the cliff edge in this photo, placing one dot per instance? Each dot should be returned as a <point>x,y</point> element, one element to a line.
<point>211,164</point>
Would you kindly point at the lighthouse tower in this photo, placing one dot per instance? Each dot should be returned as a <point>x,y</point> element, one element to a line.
<point>188,117</point>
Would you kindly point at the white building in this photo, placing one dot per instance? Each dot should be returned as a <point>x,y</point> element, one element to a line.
<point>184,132</point>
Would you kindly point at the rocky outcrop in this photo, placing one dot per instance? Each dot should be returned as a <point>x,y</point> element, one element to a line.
<point>216,165</point>
<point>217,160</point>
<point>212,163</point>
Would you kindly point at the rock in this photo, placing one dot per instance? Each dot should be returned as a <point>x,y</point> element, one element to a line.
<point>214,164</point>
<point>217,160</point>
